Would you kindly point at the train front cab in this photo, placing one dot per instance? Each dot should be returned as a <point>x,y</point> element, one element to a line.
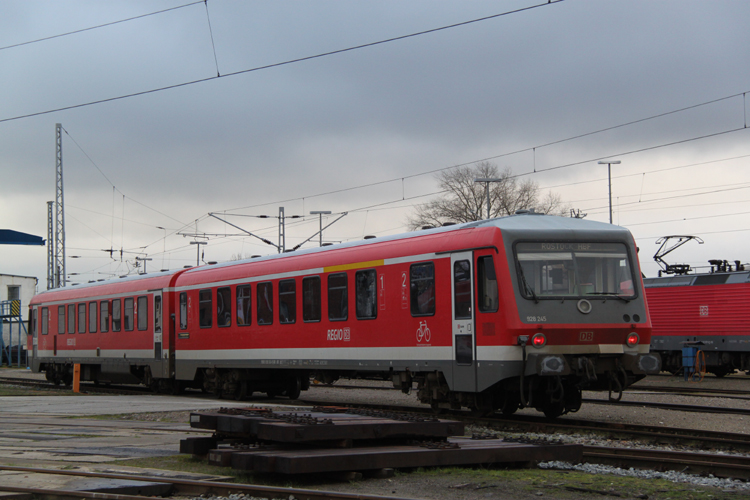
<point>551,317</point>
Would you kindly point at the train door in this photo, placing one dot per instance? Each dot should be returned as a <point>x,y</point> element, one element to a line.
<point>158,322</point>
<point>464,345</point>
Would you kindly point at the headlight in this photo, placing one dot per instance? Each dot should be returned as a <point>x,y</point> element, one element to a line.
<point>539,340</point>
<point>633,339</point>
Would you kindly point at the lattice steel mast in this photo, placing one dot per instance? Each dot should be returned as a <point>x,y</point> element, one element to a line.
<point>60,272</point>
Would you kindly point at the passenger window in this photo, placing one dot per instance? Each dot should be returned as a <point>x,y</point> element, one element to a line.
<point>462,289</point>
<point>337,297</point>
<point>104,316</point>
<point>128,315</point>
<point>488,296</point>
<point>287,302</point>
<point>71,318</point>
<point>422,289</point>
<point>116,310</point>
<point>205,311</point>
<point>92,317</point>
<point>183,311</point>
<point>60,319</point>
<point>244,305</point>
<point>33,321</point>
<point>142,313</point>
<point>224,306</point>
<point>365,293</point>
<point>81,318</point>
<point>311,298</point>
<point>45,320</point>
<point>265,303</point>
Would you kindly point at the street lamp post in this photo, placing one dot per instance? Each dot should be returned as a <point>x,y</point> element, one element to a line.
<point>321,213</point>
<point>487,181</point>
<point>609,181</point>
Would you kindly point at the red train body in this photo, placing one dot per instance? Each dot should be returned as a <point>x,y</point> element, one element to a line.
<point>520,311</point>
<point>707,311</point>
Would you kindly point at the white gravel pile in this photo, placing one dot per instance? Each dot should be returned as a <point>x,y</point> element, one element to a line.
<point>673,476</point>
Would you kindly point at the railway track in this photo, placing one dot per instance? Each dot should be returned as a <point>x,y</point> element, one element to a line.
<point>177,487</point>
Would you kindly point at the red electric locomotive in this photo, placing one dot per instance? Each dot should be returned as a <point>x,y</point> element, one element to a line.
<point>707,311</point>
<point>526,310</point>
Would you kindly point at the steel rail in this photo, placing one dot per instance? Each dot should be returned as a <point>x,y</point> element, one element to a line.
<point>670,406</point>
<point>189,487</point>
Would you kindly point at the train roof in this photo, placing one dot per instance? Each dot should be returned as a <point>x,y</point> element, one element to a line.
<point>727,278</point>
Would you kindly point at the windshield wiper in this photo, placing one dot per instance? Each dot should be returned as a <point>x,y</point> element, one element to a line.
<point>610,294</point>
<point>526,286</point>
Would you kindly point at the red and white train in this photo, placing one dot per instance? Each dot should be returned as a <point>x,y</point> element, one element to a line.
<point>525,310</point>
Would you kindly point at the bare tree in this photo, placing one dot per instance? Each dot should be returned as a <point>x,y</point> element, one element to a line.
<point>465,200</point>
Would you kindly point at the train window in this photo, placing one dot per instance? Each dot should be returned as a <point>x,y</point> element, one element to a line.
<point>128,315</point>
<point>104,316</point>
<point>116,315</point>
<point>183,311</point>
<point>337,297</point>
<point>142,313</point>
<point>287,302</point>
<point>365,293</point>
<point>81,318</point>
<point>45,320</point>
<point>205,311</point>
<point>33,321</point>
<point>462,289</point>
<point>547,270</point>
<point>157,313</point>
<point>488,296</point>
<point>311,298</point>
<point>60,319</point>
<point>244,305</point>
<point>71,318</point>
<point>224,306</point>
<point>92,317</point>
<point>464,349</point>
<point>265,303</point>
<point>422,288</point>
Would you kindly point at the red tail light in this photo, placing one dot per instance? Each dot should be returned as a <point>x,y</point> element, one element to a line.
<point>633,339</point>
<point>539,340</point>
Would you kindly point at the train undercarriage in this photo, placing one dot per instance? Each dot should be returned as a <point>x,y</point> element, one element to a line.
<point>719,363</point>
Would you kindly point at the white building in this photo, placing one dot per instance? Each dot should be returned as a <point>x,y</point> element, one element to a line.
<point>21,288</point>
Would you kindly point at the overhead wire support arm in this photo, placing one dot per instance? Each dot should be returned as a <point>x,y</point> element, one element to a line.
<point>662,251</point>
<point>343,214</point>
<point>245,231</point>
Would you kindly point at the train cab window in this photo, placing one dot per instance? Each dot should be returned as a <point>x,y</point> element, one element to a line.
<point>337,297</point>
<point>244,305</point>
<point>265,303</point>
<point>287,302</point>
<point>549,270</point>
<point>487,291</point>
<point>45,320</point>
<point>205,310</point>
<point>104,316</point>
<point>462,289</point>
<point>224,306</point>
<point>60,319</point>
<point>116,310</point>
<point>128,315</point>
<point>422,289</point>
<point>143,313</point>
<point>92,317</point>
<point>81,318</point>
<point>183,311</point>
<point>311,299</point>
<point>365,293</point>
<point>71,318</point>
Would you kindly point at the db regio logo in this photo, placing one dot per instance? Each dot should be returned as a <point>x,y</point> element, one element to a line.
<point>339,334</point>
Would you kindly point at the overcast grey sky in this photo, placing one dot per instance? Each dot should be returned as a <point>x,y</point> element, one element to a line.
<point>360,131</point>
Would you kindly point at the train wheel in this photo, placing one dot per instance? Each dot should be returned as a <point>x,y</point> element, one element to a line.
<point>554,410</point>
<point>271,394</point>
<point>511,403</point>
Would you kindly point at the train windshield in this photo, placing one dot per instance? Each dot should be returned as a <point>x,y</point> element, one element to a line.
<point>565,269</point>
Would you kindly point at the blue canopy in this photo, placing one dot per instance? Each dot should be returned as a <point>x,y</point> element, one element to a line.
<point>9,237</point>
